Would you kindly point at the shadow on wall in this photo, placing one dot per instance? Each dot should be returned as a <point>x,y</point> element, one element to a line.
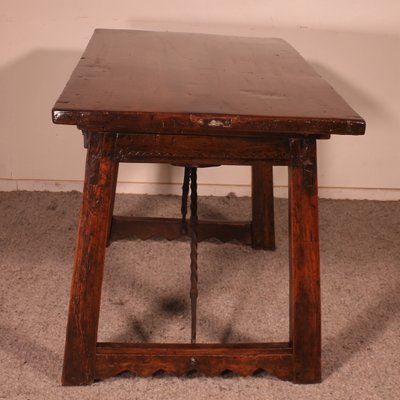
<point>374,54</point>
<point>370,109</point>
<point>30,86</point>
<point>31,146</point>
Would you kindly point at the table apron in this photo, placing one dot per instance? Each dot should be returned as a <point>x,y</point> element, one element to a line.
<point>187,149</point>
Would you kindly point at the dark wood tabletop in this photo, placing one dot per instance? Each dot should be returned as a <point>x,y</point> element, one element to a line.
<point>163,82</point>
<point>198,100</point>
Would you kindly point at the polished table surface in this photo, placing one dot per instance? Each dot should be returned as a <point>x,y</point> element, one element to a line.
<point>175,82</point>
<point>196,100</point>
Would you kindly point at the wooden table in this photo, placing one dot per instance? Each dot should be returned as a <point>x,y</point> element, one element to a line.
<point>192,99</point>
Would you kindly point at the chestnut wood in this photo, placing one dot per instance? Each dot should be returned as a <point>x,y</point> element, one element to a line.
<point>263,225</point>
<point>84,306</point>
<point>179,359</point>
<point>171,228</point>
<point>199,150</point>
<point>197,100</point>
<point>305,302</point>
<point>138,81</point>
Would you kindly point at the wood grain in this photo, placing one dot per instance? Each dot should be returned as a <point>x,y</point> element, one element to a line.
<point>84,306</point>
<point>139,81</point>
<point>198,100</point>
<point>305,301</point>
<point>179,359</point>
<point>262,196</point>
<point>187,149</point>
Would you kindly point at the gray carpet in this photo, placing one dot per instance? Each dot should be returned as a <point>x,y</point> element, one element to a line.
<point>243,297</point>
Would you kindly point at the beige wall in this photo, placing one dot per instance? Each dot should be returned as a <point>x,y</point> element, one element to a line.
<point>355,45</point>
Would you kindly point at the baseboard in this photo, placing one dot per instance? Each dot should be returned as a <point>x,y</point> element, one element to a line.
<point>204,189</point>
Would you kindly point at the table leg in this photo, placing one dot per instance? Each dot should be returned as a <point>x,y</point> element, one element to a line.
<point>305,303</point>
<point>84,307</point>
<point>262,226</point>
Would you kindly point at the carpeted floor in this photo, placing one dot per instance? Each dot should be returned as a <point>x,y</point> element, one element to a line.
<point>243,297</point>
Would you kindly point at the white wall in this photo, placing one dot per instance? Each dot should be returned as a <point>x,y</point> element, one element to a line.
<point>355,45</point>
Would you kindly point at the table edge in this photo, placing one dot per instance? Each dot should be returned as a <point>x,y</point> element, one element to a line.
<point>168,122</point>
